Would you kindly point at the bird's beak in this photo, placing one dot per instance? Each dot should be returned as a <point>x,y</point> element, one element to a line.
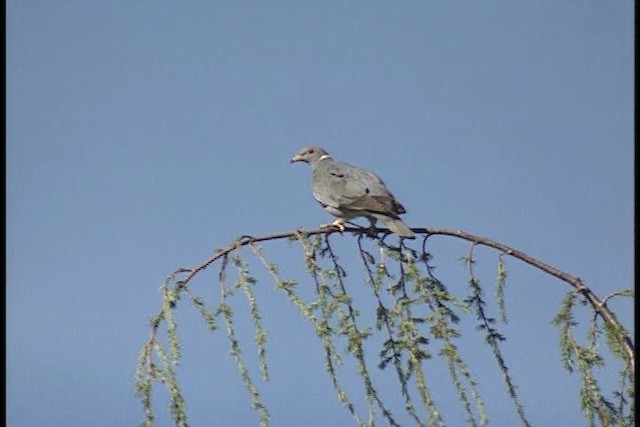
<point>296,158</point>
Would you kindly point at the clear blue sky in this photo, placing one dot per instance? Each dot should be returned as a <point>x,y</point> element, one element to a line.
<point>143,135</point>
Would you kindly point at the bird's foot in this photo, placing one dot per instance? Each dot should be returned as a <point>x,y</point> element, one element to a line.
<point>338,223</point>
<point>372,231</point>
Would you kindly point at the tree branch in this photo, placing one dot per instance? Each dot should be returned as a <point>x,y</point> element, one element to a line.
<point>598,305</point>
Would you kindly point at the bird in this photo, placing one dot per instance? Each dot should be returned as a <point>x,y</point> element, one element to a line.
<point>348,192</point>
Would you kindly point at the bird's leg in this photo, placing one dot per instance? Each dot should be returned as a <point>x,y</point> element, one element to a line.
<point>372,227</point>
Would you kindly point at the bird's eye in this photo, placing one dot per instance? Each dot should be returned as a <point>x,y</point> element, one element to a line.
<point>310,151</point>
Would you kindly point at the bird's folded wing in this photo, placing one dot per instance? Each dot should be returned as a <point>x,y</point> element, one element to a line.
<point>378,204</point>
<point>344,186</point>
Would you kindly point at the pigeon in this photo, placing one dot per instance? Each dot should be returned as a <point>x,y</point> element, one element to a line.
<point>347,192</point>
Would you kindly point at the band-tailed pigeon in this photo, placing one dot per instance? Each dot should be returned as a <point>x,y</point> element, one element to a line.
<point>348,192</point>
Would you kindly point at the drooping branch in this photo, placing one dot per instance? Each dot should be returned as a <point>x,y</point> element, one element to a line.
<point>598,304</point>
<point>333,299</point>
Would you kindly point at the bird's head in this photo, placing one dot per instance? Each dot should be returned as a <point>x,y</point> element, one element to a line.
<point>309,155</point>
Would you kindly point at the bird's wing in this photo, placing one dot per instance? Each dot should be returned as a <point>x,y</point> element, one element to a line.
<point>343,186</point>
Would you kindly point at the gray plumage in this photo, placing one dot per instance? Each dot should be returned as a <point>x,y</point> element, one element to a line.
<point>347,192</point>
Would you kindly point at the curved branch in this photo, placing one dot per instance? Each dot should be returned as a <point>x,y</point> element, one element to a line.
<point>598,305</point>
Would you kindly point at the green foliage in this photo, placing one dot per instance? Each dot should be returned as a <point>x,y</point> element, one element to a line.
<point>500,285</point>
<point>586,358</point>
<point>492,336</point>
<point>416,316</point>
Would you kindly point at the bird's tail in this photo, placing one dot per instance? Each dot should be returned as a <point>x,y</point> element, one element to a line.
<point>399,227</point>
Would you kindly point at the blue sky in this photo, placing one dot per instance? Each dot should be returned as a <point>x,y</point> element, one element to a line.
<point>143,135</point>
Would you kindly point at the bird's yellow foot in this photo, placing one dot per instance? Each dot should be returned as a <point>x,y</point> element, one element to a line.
<point>338,223</point>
